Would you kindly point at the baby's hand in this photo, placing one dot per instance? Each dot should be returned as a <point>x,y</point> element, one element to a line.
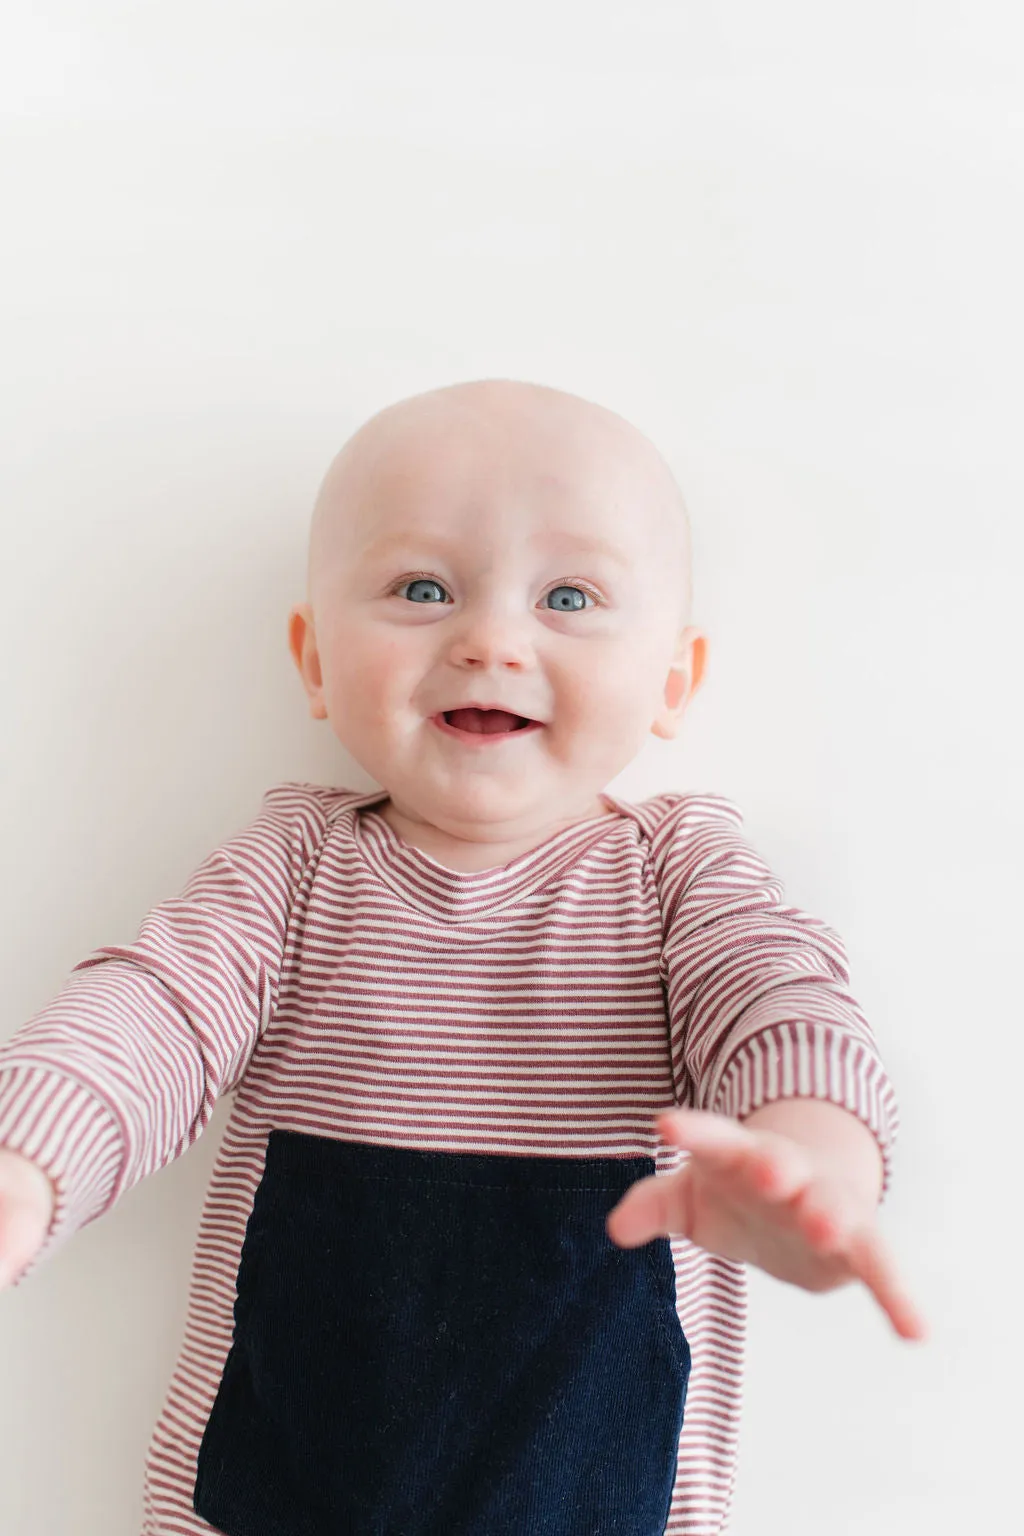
<point>762,1198</point>
<point>26,1207</point>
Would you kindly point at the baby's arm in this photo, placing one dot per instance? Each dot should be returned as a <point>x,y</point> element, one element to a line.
<point>120,1073</point>
<point>794,1117</point>
<point>759,999</point>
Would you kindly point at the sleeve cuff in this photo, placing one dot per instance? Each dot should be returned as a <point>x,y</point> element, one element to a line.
<point>812,1061</point>
<point>71,1135</point>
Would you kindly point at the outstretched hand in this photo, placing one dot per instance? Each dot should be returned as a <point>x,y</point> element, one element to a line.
<point>762,1198</point>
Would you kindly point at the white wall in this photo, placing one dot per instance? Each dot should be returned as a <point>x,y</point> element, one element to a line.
<point>785,240</point>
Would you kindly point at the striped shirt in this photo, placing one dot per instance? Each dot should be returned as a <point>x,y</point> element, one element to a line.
<point>339,982</point>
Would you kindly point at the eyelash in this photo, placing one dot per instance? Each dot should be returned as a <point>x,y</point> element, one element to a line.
<point>563,581</point>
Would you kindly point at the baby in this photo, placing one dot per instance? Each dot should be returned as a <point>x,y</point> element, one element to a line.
<point>523,1073</point>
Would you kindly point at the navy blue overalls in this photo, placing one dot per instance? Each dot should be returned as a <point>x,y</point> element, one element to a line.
<point>444,1344</point>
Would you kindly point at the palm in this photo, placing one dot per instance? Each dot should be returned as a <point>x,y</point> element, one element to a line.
<point>725,1216</point>
<point>758,1198</point>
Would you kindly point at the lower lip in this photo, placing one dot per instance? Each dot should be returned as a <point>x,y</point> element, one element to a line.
<point>484,738</point>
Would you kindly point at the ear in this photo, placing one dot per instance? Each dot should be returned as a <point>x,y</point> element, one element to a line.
<point>684,678</point>
<point>302,644</point>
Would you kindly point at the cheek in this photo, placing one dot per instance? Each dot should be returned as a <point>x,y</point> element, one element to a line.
<point>614,688</point>
<point>607,674</point>
<point>368,670</point>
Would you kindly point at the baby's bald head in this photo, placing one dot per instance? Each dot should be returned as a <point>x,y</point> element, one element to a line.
<point>505,563</point>
<point>503,434</point>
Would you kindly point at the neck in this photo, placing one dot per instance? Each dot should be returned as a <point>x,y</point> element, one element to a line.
<point>469,856</point>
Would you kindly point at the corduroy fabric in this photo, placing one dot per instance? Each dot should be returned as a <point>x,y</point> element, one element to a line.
<point>436,1344</point>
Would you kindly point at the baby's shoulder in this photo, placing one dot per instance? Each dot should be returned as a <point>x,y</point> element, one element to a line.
<point>687,835</point>
<point>302,814</point>
<point>667,818</point>
<point>298,795</point>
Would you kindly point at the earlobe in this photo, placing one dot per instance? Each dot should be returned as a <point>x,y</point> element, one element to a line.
<point>303,647</point>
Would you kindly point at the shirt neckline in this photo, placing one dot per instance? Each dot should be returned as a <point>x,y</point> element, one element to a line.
<point>465,895</point>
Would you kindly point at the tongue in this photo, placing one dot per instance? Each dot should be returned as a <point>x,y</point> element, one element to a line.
<point>482,722</point>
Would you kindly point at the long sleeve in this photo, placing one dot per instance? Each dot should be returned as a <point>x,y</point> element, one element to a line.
<point>757,991</point>
<point>120,1073</point>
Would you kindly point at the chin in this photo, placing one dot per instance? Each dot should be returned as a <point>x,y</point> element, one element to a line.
<point>483,804</point>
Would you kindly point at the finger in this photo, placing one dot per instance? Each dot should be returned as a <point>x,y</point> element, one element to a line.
<point>870,1262</point>
<point>720,1143</point>
<point>828,1214</point>
<point>772,1166</point>
<point>652,1207</point>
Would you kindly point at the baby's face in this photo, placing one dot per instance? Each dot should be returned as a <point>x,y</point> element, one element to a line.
<point>497,592</point>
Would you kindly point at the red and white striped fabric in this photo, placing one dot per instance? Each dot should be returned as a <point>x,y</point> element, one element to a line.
<point>341,983</point>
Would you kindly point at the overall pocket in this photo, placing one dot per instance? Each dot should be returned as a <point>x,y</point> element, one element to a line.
<point>444,1344</point>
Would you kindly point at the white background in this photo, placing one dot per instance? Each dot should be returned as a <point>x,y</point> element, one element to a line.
<point>785,240</point>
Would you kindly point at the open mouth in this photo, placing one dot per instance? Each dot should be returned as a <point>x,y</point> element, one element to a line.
<point>484,722</point>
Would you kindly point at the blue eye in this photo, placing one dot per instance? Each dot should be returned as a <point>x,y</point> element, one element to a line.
<point>423,591</point>
<point>566,599</point>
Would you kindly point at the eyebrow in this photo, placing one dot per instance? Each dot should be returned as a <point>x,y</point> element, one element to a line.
<point>589,544</point>
<point>393,543</point>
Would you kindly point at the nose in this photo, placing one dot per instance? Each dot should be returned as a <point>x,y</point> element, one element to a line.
<point>490,636</point>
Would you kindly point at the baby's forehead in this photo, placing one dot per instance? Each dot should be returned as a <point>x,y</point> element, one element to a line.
<point>514,455</point>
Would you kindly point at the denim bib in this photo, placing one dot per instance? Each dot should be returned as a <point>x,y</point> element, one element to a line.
<point>444,1344</point>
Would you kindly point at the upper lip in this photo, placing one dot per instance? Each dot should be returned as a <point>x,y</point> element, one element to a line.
<point>476,704</point>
